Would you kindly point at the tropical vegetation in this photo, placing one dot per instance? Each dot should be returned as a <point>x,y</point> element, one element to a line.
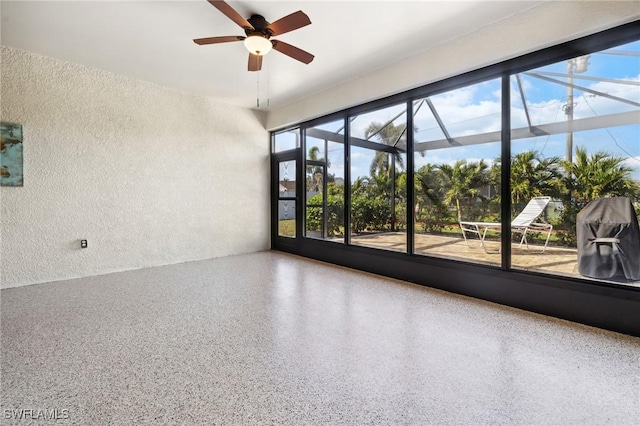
<point>445,194</point>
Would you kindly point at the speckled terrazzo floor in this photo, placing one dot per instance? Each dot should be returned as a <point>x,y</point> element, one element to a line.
<point>270,338</point>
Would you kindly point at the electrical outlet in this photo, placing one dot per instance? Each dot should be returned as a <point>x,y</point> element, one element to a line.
<point>83,243</point>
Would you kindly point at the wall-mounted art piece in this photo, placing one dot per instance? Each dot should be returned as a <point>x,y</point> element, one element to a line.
<point>11,154</point>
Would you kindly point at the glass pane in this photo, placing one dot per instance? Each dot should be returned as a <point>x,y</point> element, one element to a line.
<point>315,197</point>
<point>325,174</point>
<point>315,221</point>
<point>378,179</point>
<point>335,191</point>
<point>287,180</point>
<point>315,149</point>
<point>287,218</point>
<point>386,126</point>
<point>575,140</point>
<point>286,140</point>
<point>457,173</point>
<point>315,184</point>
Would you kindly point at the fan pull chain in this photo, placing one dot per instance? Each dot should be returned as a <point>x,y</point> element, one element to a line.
<point>258,90</point>
<point>268,81</point>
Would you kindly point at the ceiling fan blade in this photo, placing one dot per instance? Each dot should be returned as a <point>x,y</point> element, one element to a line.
<point>214,40</point>
<point>289,23</point>
<point>255,62</point>
<point>230,13</point>
<point>292,51</point>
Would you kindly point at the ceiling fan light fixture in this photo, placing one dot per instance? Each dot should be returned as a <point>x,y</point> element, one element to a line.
<point>258,32</point>
<point>257,45</point>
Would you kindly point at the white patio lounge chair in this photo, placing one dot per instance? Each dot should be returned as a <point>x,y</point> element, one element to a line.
<point>522,223</point>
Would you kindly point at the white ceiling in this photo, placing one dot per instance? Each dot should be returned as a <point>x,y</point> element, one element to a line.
<point>152,40</point>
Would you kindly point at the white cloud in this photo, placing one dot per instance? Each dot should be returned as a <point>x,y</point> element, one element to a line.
<point>550,110</point>
<point>633,163</point>
<point>477,109</point>
<point>359,125</point>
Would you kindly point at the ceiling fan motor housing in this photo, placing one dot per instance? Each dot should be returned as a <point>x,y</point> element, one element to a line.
<point>260,27</point>
<point>258,34</point>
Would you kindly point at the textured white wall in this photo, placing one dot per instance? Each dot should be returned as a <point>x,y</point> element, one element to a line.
<point>549,24</point>
<point>148,175</point>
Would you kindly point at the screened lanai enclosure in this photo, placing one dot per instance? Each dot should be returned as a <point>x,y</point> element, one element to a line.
<point>405,175</point>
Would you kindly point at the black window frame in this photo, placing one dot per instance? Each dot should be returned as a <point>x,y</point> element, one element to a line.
<point>600,303</point>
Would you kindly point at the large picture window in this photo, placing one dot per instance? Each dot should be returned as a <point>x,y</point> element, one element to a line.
<point>286,172</point>
<point>457,172</point>
<point>324,214</point>
<point>378,145</point>
<point>576,140</point>
<point>510,170</point>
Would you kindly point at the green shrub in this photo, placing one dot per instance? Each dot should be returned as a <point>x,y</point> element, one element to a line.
<point>401,216</point>
<point>433,218</point>
<point>335,218</point>
<point>369,214</point>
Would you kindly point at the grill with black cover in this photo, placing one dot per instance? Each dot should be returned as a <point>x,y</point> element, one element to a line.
<point>608,238</point>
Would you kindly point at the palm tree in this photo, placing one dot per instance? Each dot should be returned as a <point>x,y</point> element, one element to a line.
<point>532,176</point>
<point>599,174</point>
<point>430,209</point>
<point>314,172</point>
<point>589,177</point>
<point>464,180</point>
<point>390,135</point>
<point>429,182</point>
<point>379,164</point>
<point>313,153</point>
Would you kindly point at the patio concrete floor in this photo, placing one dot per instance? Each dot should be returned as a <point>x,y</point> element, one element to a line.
<point>556,260</point>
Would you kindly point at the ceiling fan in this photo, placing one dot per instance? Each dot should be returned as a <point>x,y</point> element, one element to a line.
<point>258,34</point>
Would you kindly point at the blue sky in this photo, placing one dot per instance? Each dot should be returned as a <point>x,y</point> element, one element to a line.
<point>476,109</point>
